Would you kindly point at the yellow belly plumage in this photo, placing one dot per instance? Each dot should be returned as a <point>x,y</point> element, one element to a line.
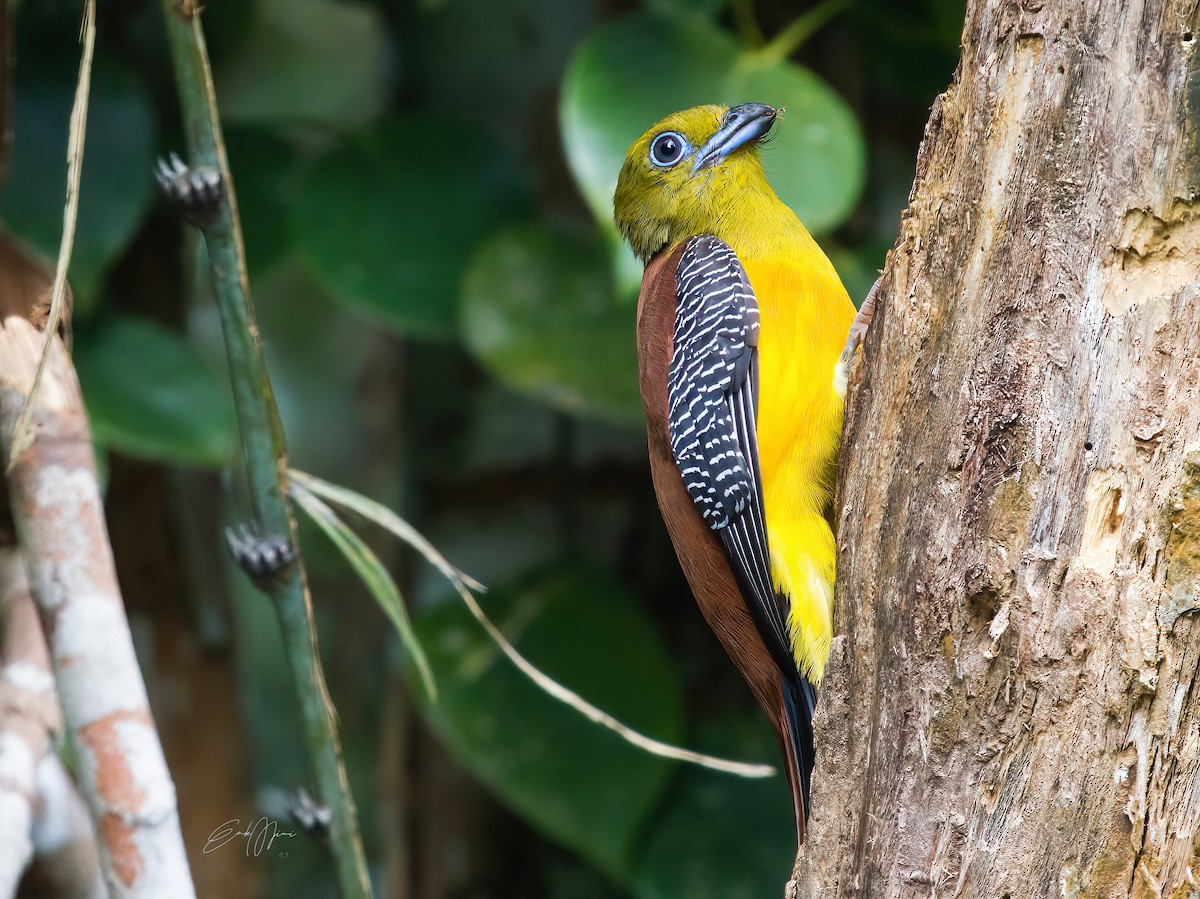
<point>805,314</point>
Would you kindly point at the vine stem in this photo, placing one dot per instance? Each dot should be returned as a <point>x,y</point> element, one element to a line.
<point>747,24</point>
<point>24,434</point>
<point>263,442</point>
<point>800,29</point>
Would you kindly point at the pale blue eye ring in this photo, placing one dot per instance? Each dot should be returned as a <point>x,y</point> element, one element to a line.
<point>668,148</point>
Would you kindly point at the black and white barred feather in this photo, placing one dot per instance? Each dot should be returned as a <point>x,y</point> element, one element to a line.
<point>716,327</point>
<point>712,388</point>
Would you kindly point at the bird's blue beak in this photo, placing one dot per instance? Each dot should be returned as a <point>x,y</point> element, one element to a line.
<point>742,125</point>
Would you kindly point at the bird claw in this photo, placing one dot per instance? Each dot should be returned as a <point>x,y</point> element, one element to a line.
<point>197,192</point>
<point>264,557</point>
<point>858,330</point>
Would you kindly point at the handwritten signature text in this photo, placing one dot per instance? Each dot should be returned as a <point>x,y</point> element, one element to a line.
<point>259,835</point>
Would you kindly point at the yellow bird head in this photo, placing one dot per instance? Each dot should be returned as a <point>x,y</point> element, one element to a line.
<point>689,174</point>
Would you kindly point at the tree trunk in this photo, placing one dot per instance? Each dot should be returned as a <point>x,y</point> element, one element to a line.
<point>1010,709</point>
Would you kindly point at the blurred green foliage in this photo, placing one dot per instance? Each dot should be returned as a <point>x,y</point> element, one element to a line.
<point>388,218</point>
<point>582,785</point>
<point>150,395</point>
<point>307,61</point>
<point>425,191</point>
<point>115,194</point>
<point>538,314</point>
<point>743,820</point>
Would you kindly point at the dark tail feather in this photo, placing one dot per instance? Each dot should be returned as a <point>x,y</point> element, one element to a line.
<point>799,703</point>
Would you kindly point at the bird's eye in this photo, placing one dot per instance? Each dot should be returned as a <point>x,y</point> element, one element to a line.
<point>668,149</point>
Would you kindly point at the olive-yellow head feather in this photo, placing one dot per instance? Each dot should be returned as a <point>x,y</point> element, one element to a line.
<point>695,172</point>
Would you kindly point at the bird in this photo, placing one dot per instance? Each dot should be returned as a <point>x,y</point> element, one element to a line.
<point>744,338</point>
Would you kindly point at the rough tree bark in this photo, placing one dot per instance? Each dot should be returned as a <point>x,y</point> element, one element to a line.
<point>54,497</point>
<point>1011,710</point>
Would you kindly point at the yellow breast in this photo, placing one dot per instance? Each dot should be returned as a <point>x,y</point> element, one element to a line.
<point>805,315</point>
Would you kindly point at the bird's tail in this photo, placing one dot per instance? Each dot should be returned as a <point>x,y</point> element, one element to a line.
<point>799,703</point>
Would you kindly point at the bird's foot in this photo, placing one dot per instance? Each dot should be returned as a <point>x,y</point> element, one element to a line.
<point>858,333</point>
<point>264,557</point>
<point>862,321</point>
<point>197,192</point>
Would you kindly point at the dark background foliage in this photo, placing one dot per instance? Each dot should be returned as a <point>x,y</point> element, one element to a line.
<point>425,188</point>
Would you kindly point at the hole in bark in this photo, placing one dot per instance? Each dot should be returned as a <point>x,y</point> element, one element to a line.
<point>1088,446</point>
<point>985,603</point>
<point>1187,37</point>
<point>1061,69</point>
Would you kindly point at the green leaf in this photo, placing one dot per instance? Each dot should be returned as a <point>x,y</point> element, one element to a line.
<point>627,76</point>
<point>721,837</point>
<point>580,784</point>
<point>311,61</point>
<point>116,184</point>
<point>374,575</point>
<point>388,219</point>
<point>538,313</point>
<point>148,394</point>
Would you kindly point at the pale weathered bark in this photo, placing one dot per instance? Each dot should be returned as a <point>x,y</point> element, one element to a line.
<point>1011,710</point>
<point>29,717</point>
<point>55,501</point>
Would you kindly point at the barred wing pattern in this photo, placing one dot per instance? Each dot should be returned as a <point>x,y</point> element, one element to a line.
<point>712,404</point>
<point>716,326</point>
